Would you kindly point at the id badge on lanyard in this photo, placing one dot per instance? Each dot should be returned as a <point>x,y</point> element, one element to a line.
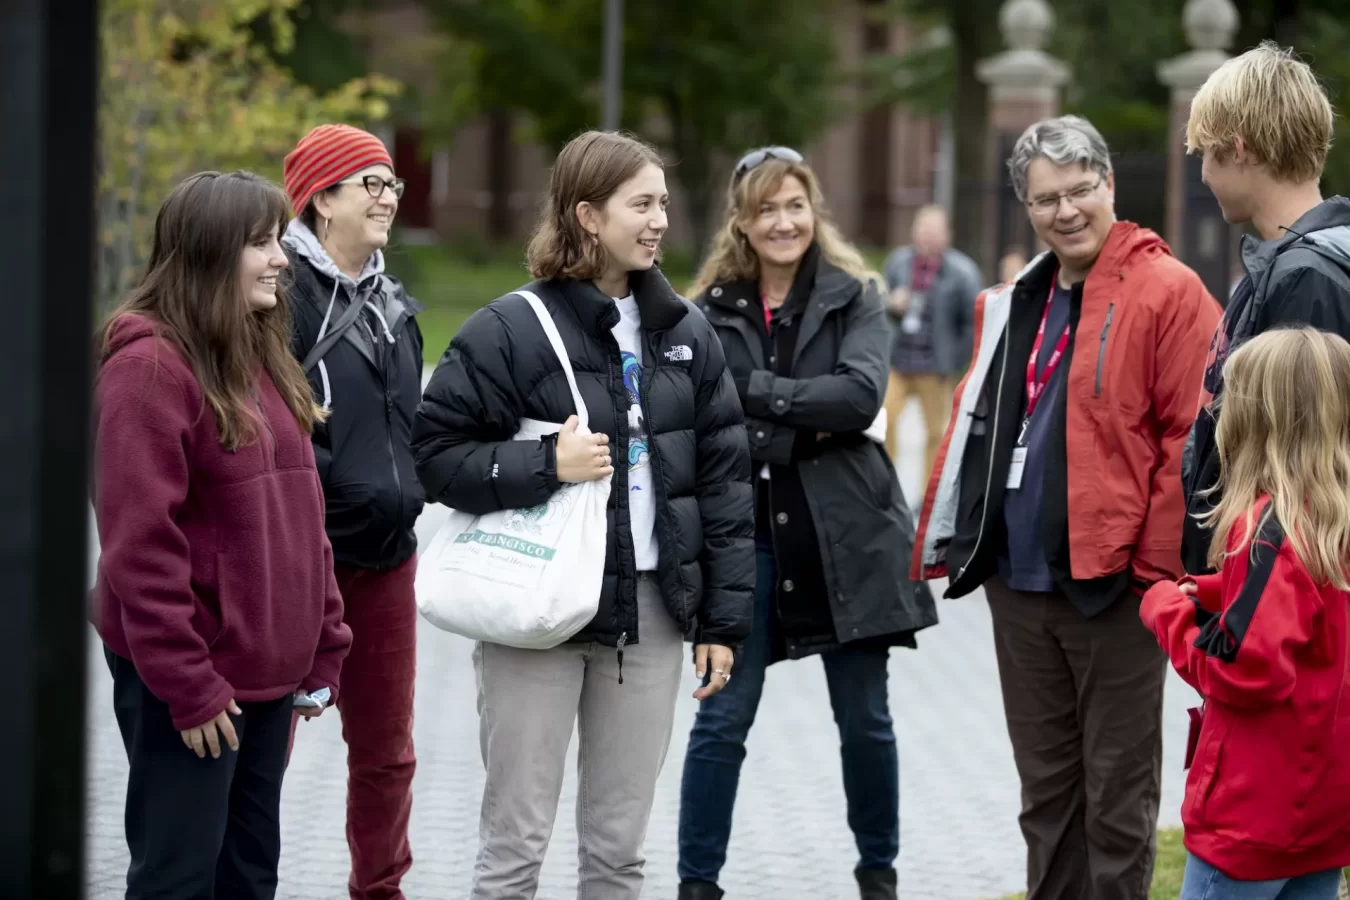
<point>1035,389</point>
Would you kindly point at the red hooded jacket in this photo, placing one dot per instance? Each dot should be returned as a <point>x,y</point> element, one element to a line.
<point>1268,793</point>
<point>216,577</point>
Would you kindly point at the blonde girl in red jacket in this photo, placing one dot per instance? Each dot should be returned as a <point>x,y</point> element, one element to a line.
<point>1265,640</point>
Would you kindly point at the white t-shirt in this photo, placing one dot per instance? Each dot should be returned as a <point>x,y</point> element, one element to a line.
<point>641,493</point>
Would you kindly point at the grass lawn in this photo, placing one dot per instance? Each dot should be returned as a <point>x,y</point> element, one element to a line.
<point>452,288</point>
<point>1167,871</point>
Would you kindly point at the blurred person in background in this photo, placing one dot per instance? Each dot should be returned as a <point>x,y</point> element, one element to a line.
<point>931,303</point>
<point>217,605</point>
<point>1012,262</point>
<point>1059,492</point>
<point>360,347</point>
<point>679,550</point>
<point>803,328</point>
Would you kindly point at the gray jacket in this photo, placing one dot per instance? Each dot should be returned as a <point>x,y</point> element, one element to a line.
<point>953,306</point>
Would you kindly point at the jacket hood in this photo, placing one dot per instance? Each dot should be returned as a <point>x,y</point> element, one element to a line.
<point>305,244</point>
<point>129,328</point>
<point>1128,244</point>
<point>1327,225</point>
<point>390,300</point>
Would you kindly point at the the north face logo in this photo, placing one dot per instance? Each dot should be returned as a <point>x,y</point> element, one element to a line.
<point>680,353</point>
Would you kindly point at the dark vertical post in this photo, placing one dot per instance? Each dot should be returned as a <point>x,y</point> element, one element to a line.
<point>49,69</point>
<point>613,109</point>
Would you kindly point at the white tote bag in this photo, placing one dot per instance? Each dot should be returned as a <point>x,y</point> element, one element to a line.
<point>527,578</point>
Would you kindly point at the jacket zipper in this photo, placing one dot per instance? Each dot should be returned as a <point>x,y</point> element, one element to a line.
<point>609,378</point>
<point>663,503</point>
<point>1101,350</point>
<point>993,437</point>
<point>262,414</point>
<point>389,437</point>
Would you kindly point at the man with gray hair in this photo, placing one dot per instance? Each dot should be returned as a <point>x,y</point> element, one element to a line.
<point>1059,492</point>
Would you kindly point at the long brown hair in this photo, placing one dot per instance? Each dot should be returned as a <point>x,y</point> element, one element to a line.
<point>733,259</point>
<point>592,166</point>
<point>1284,431</point>
<point>191,292</point>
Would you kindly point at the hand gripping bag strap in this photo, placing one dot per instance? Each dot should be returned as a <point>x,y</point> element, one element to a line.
<point>554,338</point>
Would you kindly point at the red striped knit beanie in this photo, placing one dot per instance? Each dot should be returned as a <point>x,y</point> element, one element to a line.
<point>325,156</point>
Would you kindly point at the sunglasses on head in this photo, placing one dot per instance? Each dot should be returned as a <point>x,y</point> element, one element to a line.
<point>757,157</point>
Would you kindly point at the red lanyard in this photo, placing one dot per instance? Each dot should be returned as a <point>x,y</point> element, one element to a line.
<point>1036,386</point>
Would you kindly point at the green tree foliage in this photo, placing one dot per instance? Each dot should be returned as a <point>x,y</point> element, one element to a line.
<point>705,79</point>
<point>185,87</point>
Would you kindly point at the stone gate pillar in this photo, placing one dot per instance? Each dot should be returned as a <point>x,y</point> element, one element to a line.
<point>1195,227</point>
<point>1024,87</point>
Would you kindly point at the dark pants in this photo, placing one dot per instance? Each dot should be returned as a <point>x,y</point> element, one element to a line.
<point>376,703</point>
<point>712,764</point>
<point>1083,699</point>
<point>200,829</point>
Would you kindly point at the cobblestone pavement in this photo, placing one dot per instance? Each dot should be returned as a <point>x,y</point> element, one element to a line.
<point>959,791</point>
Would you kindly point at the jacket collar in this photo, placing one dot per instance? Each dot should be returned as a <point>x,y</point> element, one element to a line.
<point>818,281</point>
<point>659,307</point>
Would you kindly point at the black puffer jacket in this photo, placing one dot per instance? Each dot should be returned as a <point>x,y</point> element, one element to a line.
<point>842,532</point>
<point>500,368</point>
<point>371,379</point>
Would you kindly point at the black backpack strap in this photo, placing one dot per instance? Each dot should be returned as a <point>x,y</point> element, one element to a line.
<point>333,335</point>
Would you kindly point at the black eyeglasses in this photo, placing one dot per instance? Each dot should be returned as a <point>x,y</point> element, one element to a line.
<point>375,185</point>
<point>757,157</point>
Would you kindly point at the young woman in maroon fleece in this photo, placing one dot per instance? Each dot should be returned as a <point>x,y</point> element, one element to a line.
<point>216,599</point>
<point>1265,640</point>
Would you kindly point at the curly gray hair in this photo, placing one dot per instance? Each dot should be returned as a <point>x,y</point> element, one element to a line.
<point>1063,141</point>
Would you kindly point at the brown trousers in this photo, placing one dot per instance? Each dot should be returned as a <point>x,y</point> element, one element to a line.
<point>935,400</point>
<point>1083,701</point>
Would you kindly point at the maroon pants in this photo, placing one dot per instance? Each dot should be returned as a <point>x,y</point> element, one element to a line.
<point>376,705</point>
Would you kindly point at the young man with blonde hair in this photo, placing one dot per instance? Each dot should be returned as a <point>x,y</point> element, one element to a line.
<point>1262,125</point>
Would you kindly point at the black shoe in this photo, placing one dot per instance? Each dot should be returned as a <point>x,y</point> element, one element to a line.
<point>876,884</point>
<point>701,890</point>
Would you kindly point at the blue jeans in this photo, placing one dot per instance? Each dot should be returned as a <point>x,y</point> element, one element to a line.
<point>1204,882</point>
<point>712,764</point>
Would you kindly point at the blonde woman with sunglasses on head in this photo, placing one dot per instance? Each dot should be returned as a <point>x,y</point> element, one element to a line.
<point>801,322</point>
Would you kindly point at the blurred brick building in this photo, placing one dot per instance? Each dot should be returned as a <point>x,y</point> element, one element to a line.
<point>876,168</point>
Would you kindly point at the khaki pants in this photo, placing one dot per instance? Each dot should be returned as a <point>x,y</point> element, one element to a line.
<point>935,400</point>
<point>528,703</point>
<point>1083,702</point>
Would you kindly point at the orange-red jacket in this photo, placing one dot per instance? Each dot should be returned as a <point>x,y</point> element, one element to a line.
<point>1132,393</point>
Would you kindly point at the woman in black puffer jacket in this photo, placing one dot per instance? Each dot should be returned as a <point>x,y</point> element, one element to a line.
<point>801,321</point>
<point>680,555</point>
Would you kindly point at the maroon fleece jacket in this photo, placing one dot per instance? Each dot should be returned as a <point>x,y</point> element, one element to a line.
<point>216,577</point>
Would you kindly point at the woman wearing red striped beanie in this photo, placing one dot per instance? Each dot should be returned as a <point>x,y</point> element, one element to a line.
<point>360,346</point>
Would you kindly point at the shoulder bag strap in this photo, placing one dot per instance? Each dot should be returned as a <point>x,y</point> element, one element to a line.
<point>554,338</point>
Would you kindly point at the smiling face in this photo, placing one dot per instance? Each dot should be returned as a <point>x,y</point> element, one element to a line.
<point>630,224</point>
<point>1072,209</point>
<point>356,220</point>
<point>260,262</point>
<point>783,226</point>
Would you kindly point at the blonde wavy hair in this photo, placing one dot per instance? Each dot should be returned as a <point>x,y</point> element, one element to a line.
<point>1270,99</point>
<point>732,258</point>
<point>1284,430</point>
